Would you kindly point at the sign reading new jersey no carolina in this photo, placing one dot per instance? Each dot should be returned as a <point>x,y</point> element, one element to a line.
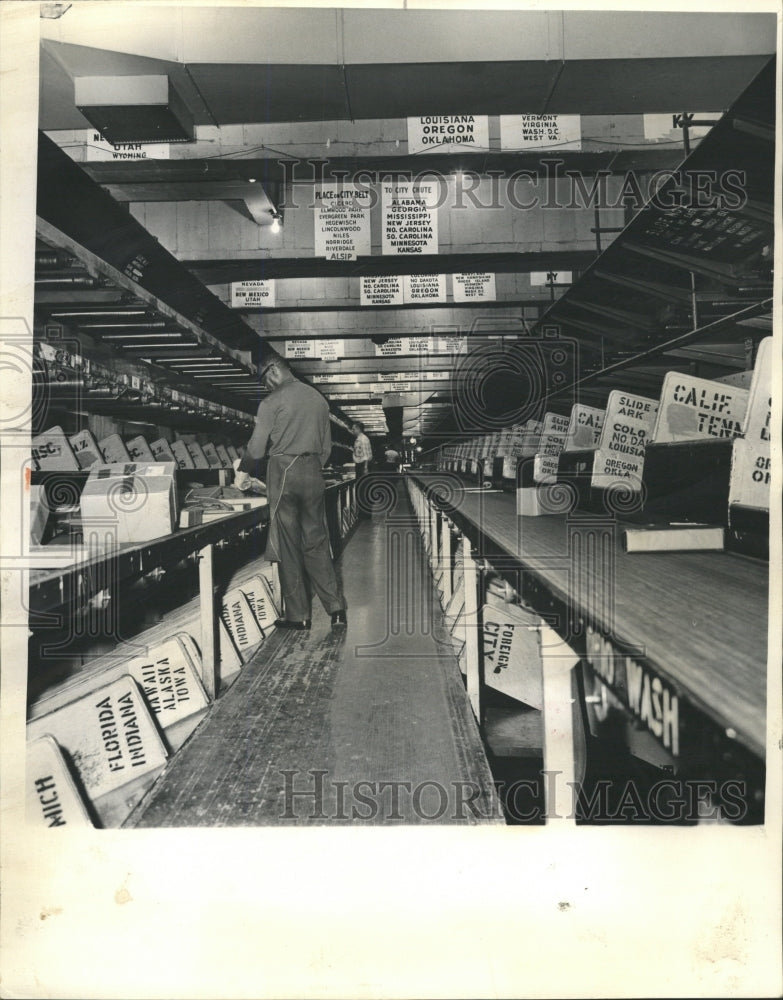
<point>410,217</point>
<point>342,222</point>
<point>447,133</point>
<point>540,132</point>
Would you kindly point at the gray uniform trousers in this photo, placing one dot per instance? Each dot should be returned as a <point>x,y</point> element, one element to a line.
<point>298,536</point>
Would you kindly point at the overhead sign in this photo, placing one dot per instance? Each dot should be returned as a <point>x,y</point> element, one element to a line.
<point>663,127</point>
<point>331,349</point>
<point>751,462</point>
<point>252,294</point>
<point>381,290</point>
<point>302,347</point>
<point>410,217</point>
<point>98,149</point>
<point>627,428</point>
<point>419,288</point>
<point>693,408</point>
<point>556,277</point>
<point>448,133</point>
<point>473,286</point>
<point>342,221</point>
<point>524,132</point>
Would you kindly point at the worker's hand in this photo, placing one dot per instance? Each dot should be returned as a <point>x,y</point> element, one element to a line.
<point>242,480</point>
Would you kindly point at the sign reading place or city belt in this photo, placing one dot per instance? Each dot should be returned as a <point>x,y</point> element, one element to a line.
<point>627,428</point>
<point>473,286</point>
<point>342,221</point>
<point>693,408</point>
<point>410,216</point>
<point>523,132</point>
<point>448,133</point>
<point>512,656</point>
<point>584,428</point>
<point>252,294</point>
<point>751,461</point>
<point>381,290</point>
<point>51,796</point>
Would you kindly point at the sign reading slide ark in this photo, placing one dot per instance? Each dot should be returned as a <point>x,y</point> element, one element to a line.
<point>627,428</point>
<point>342,222</point>
<point>252,294</point>
<point>410,217</point>
<point>447,133</point>
<point>540,132</point>
<point>473,286</point>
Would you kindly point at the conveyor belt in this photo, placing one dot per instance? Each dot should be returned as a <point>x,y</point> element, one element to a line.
<point>699,618</point>
<point>382,704</point>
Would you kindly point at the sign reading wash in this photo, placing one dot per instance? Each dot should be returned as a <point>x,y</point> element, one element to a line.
<point>447,133</point>
<point>522,132</point>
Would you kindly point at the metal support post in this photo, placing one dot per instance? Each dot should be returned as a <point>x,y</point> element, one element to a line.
<point>209,645</point>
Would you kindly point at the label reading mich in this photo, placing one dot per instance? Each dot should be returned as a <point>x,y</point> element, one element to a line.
<point>51,796</point>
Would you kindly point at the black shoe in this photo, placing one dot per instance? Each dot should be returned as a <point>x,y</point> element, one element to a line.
<point>285,623</point>
<point>339,619</point>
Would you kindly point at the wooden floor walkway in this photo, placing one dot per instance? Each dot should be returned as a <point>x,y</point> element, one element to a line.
<point>368,726</point>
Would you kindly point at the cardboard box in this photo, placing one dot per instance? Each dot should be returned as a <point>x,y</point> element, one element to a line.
<point>142,499</point>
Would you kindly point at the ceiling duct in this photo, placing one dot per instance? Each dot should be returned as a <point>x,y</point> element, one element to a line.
<point>134,109</point>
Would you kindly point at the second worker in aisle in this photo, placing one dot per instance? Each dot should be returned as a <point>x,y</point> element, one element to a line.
<point>292,428</point>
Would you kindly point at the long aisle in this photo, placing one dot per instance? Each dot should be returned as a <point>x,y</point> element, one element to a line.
<point>371,725</point>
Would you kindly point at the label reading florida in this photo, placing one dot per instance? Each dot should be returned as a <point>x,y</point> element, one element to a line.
<point>109,735</point>
<point>693,408</point>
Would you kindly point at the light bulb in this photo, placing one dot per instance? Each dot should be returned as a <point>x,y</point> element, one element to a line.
<point>276,224</point>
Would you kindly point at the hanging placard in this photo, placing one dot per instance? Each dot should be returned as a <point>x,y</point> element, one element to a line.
<point>330,350</point>
<point>424,288</point>
<point>556,277</point>
<point>584,428</point>
<point>252,294</point>
<point>751,460</point>
<point>523,132</point>
<point>448,133</point>
<point>97,149</point>
<point>473,286</point>
<point>393,348</point>
<point>342,222</point>
<point>381,290</point>
<point>450,344</point>
<point>300,348</point>
<point>410,219</point>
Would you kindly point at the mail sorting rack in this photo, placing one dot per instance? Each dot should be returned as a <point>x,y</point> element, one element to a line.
<point>460,575</point>
<point>655,655</point>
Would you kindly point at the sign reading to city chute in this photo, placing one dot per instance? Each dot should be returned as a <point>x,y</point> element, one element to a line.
<point>342,221</point>
<point>448,133</point>
<point>409,210</point>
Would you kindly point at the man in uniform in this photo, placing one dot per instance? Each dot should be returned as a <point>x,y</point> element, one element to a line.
<point>292,427</point>
<point>362,456</point>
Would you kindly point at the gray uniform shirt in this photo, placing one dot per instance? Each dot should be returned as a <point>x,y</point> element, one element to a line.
<point>292,420</point>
